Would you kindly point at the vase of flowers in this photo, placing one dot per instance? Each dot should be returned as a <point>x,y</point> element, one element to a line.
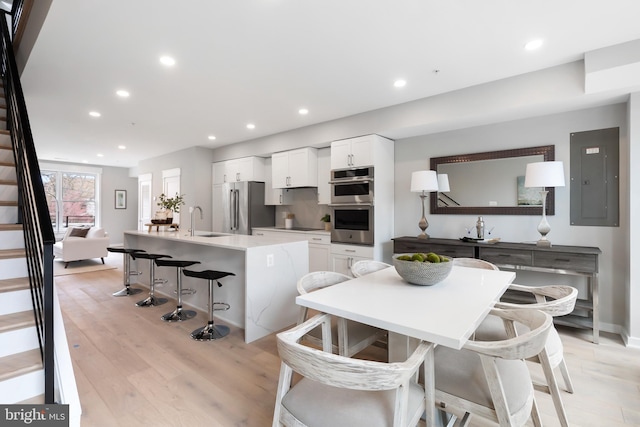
<point>170,205</point>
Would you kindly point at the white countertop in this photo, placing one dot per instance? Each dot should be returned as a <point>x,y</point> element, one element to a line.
<point>239,242</point>
<point>295,230</point>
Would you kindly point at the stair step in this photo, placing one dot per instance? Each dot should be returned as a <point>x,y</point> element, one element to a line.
<point>35,400</point>
<point>10,227</point>
<point>7,164</point>
<point>20,364</point>
<point>8,203</point>
<point>12,253</point>
<point>15,321</point>
<point>8,182</point>
<point>12,285</point>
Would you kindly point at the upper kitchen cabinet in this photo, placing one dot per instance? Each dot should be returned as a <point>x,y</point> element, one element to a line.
<point>242,169</point>
<point>353,152</point>
<point>324,176</point>
<point>295,168</point>
<point>275,196</point>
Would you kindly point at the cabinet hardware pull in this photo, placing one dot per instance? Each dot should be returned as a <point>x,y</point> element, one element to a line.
<point>563,260</point>
<point>349,250</point>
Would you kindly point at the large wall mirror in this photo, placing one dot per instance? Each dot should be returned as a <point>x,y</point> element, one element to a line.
<point>491,183</point>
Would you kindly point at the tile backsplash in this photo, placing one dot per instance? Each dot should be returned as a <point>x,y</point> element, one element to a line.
<point>305,208</point>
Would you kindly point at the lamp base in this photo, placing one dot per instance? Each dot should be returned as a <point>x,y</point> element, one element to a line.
<point>423,235</point>
<point>543,243</point>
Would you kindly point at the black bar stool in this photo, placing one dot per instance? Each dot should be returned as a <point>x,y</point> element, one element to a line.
<point>210,331</point>
<point>178,314</point>
<point>127,273</point>
<point>151,299</point>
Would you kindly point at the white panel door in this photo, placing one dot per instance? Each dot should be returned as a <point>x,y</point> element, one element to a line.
<point>145,201</point>
<point>171,187</point>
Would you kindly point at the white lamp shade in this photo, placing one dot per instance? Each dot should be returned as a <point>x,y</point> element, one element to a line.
<point>544,174</point>
<point>424,181</point>
<point>443,183</point>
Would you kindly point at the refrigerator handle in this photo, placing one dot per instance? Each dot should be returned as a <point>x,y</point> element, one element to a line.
<point>237,209</point>
<point>232,206</point>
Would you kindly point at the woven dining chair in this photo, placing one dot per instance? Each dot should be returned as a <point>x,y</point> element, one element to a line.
<point>490,379</point>
<point>366,266</point>
<point>339,391</point>
<point>348,337</point>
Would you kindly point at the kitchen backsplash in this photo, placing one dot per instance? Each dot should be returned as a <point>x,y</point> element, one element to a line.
<point>305,208</point>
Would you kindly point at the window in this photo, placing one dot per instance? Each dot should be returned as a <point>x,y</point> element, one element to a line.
<point>72,195</point>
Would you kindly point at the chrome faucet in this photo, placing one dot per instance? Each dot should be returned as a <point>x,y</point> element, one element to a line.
<point>192,209</point>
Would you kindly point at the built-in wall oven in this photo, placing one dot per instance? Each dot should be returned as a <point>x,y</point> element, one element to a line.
<point>351,205</point>
<point>352,224</point>
<point>352,185</point>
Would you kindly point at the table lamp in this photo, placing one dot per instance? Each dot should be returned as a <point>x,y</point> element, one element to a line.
<point>544,174</point>
<point>423,182</point>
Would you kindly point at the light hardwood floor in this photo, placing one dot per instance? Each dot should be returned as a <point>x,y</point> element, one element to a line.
<point>132,369</point>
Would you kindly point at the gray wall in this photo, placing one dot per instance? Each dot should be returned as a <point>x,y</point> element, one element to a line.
<point>195,181</point>
<point>116,221</point>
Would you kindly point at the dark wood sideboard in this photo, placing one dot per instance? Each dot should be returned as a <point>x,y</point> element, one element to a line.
<point>573,260</point>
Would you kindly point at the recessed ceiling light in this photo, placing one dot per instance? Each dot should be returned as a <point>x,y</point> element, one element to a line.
<point>122,147</point>
<point>100,155</point>
<point>122,93</point>
<point>211,137</point>
<point>85,161</point>
<point>533,44</point>
<point>400,83</point>
<point>94,114</point>
<point>303,111</point>
<point>251,126</point>
<point>168,61</point>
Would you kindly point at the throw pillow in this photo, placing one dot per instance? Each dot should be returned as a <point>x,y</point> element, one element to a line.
<point>79,232</point>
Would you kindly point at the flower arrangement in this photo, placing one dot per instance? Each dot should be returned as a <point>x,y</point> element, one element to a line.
<point>326,218</point>
<point>171,203</point>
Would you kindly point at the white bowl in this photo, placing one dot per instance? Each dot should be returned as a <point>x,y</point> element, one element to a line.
<point>422,273</point>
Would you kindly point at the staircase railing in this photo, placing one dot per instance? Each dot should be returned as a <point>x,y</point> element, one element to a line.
<point>33,212</point>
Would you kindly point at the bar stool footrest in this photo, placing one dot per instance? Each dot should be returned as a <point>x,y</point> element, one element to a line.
<point>221,306</point>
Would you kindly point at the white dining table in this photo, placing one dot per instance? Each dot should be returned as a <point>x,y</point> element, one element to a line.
<point>446,313</point>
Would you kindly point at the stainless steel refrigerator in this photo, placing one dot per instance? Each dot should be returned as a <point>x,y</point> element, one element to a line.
<point>239,206</point>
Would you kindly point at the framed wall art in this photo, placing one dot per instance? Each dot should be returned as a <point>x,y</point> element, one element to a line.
<point>121,199</point>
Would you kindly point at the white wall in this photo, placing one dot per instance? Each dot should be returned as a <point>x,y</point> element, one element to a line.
<point>414,154</point>
<point>632,270</point>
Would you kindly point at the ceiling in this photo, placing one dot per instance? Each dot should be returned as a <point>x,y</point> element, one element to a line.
<point>260,61</point>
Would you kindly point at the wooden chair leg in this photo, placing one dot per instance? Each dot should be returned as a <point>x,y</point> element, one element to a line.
<point>565,375</point>
<point>553,389</point>
<point>535,414</point>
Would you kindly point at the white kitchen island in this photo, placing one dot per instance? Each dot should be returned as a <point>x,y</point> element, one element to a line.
<point>261,294</point>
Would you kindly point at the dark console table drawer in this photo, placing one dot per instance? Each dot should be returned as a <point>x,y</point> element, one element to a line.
<point>586,263</point>
<point>401,246</point>
<point>506,256</point>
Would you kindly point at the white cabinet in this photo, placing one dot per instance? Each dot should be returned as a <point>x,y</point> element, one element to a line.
<point>242,169</point>
<point>275,196</point>
<point>344,256</point>
<point>352,152</point>
<point>324,175</point>
<point>295,168</point>
<point>319,245</point>
<point>319,254</point>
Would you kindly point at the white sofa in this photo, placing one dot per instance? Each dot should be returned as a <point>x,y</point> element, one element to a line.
<point>75,248</point>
